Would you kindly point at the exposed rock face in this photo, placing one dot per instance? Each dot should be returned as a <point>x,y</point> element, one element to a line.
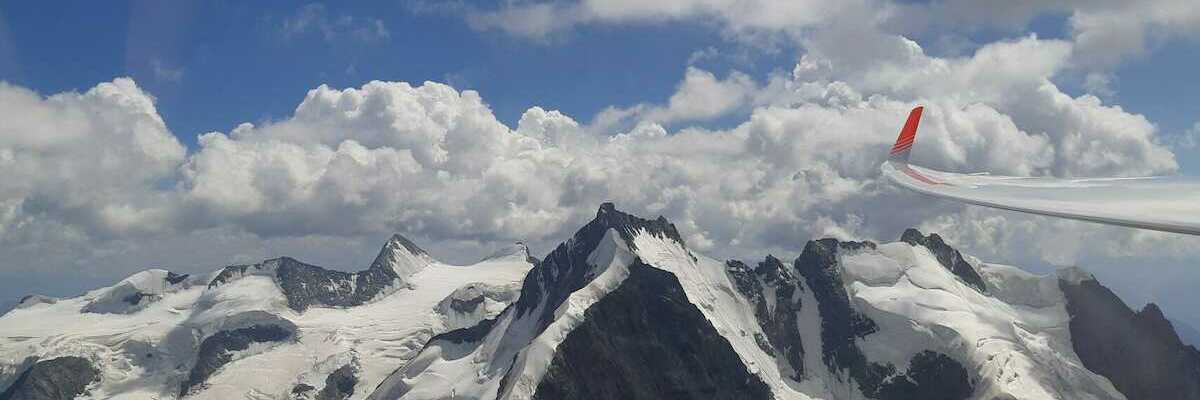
<point>400,258</point>
<point>472,334</point>
<point>566,269</point>
<point>774,289</point>
<point>62,378</point>
<point>1140,353</point>
<point>339,385</point>
<point>136,292</point>
<point>929,373</point>
<point>232,272</point>
<point>218,350</point>
<point>645,340</point>
<point>35,299</point>
<point>307,285</point>
<point>841,324</point>
<point>466,300</point>
<point>470,304</point>
<point>174,278</point>
<point>946,255</point>
<point>930,376</point>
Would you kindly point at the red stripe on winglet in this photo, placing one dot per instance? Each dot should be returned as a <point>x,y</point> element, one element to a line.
<point>909,133</point>
<point>918,176</point>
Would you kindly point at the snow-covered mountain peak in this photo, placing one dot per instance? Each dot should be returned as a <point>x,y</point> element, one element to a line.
<point>628,226</point>
<point>401,257</point>
<point>136,291</point>
<point>516,251</point>
<point>947,256</point>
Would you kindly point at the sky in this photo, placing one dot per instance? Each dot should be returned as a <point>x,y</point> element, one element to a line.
<point>195,135</point>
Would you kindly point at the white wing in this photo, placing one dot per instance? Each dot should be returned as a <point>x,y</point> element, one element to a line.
<point>1169,204</point>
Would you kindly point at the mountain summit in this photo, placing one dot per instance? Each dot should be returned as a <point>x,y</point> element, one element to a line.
<point>401,257</point>
<point>623,309</point>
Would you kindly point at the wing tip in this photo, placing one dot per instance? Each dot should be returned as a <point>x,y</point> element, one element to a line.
<point>908,136</point>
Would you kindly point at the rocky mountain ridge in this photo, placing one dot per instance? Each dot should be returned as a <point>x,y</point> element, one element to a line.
<point>623,309</point>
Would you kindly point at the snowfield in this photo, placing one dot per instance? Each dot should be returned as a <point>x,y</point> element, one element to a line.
<point>144,353</point>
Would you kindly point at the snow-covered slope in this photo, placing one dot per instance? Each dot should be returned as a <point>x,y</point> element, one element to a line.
<point>277,329</point>
<point>913,319</point>
<point>621,310</point>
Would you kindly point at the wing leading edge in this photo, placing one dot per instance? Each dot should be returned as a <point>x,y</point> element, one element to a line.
<point>1168,204</point>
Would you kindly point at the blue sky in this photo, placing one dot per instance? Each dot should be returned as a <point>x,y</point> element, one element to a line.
<point>237,65</point>
<point>210,66</point>
<point>234,63</point>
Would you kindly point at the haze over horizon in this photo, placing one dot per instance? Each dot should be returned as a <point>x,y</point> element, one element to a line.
<point>194,136</point>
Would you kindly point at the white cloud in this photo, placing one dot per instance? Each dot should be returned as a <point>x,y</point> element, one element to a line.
<point>90,161</point>
<point>436,163</point>
<point>315,18</point>
<point>1187,140</point>
<point>1105,32</point>
<point>543,20</point>
<point>701,96</point>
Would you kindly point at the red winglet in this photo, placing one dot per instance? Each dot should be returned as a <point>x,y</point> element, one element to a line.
<point>908,135</point>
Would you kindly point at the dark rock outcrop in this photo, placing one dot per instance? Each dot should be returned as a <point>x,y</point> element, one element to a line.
<point>1139,352</point>
<point>339,385</point>
<point>230,273</point>
<point>174,278</point>
<point>645,340</point>
<point>62,378</point>
<point>841,324</point>
<point>779,316</point>
<point>566,269</point>
<point>217,350</point>
<point>947,256</point>
<point>305,285</point>
<point>466,300</point>
<point>471,334</point>
<point>301,390</point>
<point>33,300</point>
<point>930,376</point>
<point>397,242</point>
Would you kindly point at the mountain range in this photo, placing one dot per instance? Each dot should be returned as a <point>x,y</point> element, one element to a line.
<point>623,309</point>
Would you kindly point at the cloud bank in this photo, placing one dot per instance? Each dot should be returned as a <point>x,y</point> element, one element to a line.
<point>435,162</point>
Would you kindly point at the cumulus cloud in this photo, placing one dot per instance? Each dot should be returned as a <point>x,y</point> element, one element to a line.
<point>90,161</point>
<point>542,20</point>
<point>701,96</point>
<point>435,162</point>
<point>1105,33</point>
